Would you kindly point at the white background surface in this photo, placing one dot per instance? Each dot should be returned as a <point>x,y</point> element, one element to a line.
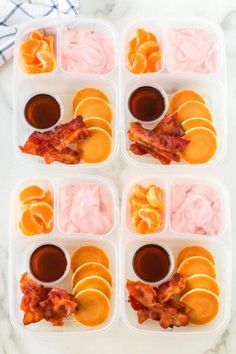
<point>119,339</point>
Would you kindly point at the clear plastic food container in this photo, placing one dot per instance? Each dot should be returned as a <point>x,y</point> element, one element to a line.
<point>20,246</point>
<point>212,86</point>
<point>62,84</point>
<point>219,246</point>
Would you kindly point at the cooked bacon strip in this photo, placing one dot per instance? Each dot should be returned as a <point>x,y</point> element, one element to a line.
<point>53,145</point>
<point>145,299</point>
<point>39,302</point>
<point>169,125</point>
<point>171,287</point>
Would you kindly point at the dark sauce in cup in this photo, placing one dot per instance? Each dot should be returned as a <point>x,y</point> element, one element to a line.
<point>48,263</point>
<point>42,111</point>
<point>151,263</point>
<point>147,104</point>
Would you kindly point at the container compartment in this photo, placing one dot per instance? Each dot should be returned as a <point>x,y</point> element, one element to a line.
<point>223,269</point>
<point>18,266</point>
<point>93,25</point>
<point>150,25</point>
<point>23,34</point>
<point>144,181</point>
<point>212,90</point>
<point>64,87</point>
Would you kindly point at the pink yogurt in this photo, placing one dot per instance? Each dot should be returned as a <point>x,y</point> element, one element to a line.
<point>196,209</point>
<point>85,208</point>
<point>84,50</point>
<point>192,50</point>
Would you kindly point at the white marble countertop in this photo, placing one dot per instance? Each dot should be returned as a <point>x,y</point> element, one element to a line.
<point>119,339</point>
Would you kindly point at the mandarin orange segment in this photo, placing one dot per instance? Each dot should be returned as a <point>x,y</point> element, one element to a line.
<point>143,53</point>
<point>152,217</point>
<point>139,64</point>
<point>142,36</point>
<point>29,225</point>
<point>37,53</point>
<point>36,35</point>
<point>44,212</point>
<point>148,48</point>
<point>31,193</point>
<point>140,191</point>
<point>155,197</point>
<point>151,37</point>
<point>152,62</point>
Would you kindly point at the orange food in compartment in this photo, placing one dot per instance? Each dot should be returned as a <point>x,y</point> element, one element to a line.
<point>183,96</point>
<point>93,282</point>
<point>197,265</point>
<point>97,147</point>
<point>87,92</point>
<point>193,251</point>
<point>37,211</point>
<point>85,254</point>
<point>94,307</point>
<point>202,281</point>
<point>144,54</point>
<point>192,109</point>
<point>91,269</point>
<point>202,146</point>
<point>94,107</point>
<point>37,53</point>
<point>203,304</point>
<point>98,123</point>
<point>197,123</point>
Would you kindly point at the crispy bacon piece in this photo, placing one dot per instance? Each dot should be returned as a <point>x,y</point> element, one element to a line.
<point>39,302</point>
<point>164,142</point>
<point>169,125</point>
<point>145,299</point>
<point>171,287</point>
<point>53,145</point>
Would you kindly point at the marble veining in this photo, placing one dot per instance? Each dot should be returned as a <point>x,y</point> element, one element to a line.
<point>119,339</point>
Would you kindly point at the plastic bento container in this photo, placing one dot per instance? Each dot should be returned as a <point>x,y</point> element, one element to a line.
<point>20,246</point>
<point>219,246</point>
<point>62,84</point>
<point>212,86</point>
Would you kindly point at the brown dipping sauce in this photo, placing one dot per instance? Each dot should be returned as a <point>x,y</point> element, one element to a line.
<point>42,111</point>
<point>151,263</point>
<point>48,263</point>
<point>147,103</point>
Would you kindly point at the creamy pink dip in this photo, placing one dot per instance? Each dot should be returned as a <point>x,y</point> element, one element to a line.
<point>86,208</point>
<point>196,209</point>
<point>84,50</point>
<point>192,50</point>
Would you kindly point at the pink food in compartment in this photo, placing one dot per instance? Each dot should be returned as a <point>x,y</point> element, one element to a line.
<point>85,50</point>
<point>192,50</point>
<point>196,208</point>
<point>85,208</point>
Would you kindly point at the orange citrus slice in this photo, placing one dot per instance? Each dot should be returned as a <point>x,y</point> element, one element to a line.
<point>47,60</point>
<point>87,92</point>
<point>94,307</point>
<point>31,193</point>
<point>29,225</point>
<point>148,48</point>
<point>152,62</point>
<point>139,64</point>
<point>155,197</point>
<point>142,36</point>
<point>43,211</point>
<point>36,35</point>
<point>151,37</point>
